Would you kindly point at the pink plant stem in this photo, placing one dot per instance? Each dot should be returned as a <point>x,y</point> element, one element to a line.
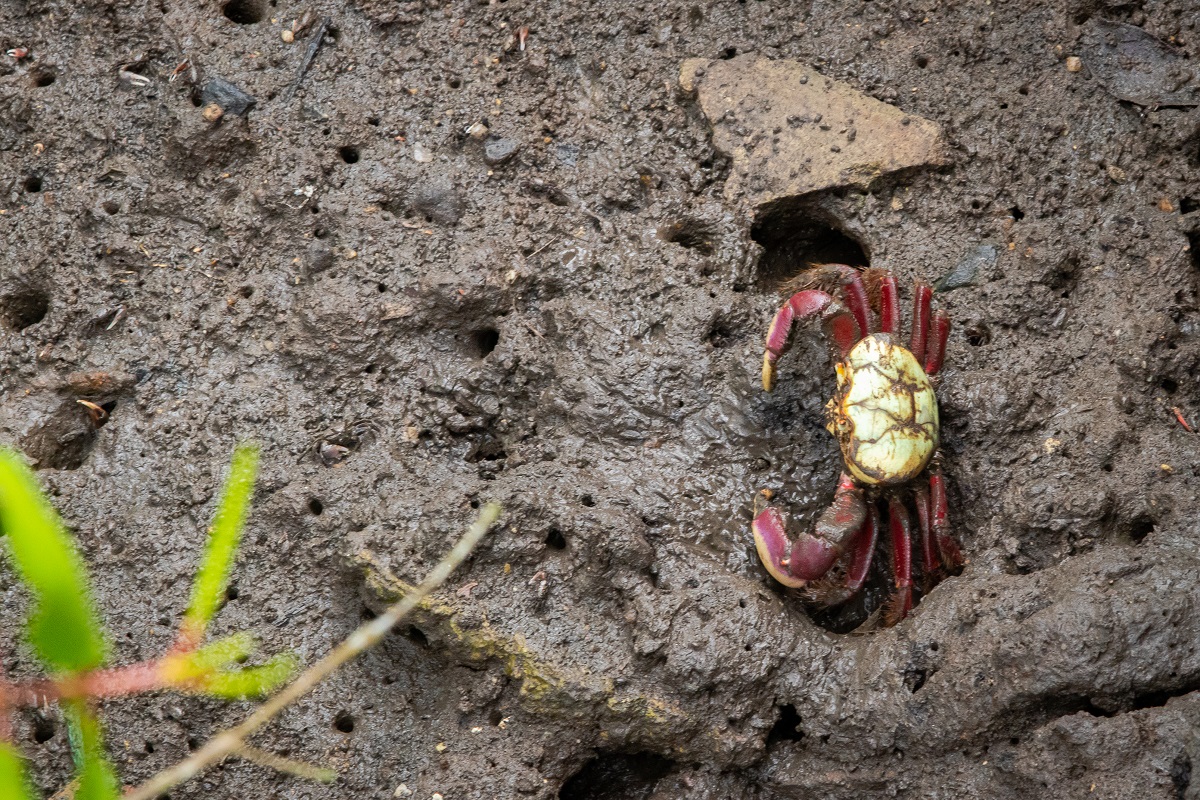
<point>145,676</point>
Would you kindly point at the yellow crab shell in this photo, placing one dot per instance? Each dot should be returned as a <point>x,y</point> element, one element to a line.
<point>885,414</point>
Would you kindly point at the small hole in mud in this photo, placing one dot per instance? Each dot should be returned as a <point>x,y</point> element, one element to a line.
<point>1168,384</point>
<point>148,746</point>
<point>349,154</point>
<point>975,205</point>
<point>1107,466</point>
<point>1023,90</point>
<point>914,679</point>
<point>728,53</point>
<point>32,184</point>
<point>194,743</point>
<point>1016,213</point>
<point>555,539</point>
<point>587,500</point>
<point>1188,204</point>
<point>978,335</point>
<point>246,292</point>
<point>786,728</point>
<point>245,12</point>
<point>1141,527</point>
<point>1014,740</point>
<point>795,238</point>
<point>43,729</point>
<point>921,61</point>
<point>42,77</point>
<point>381,287</point>
<point>484,341</point>
<point>373,121</point>
<point>231,593</point>
<point>110,207</point>
<point>454,83</point>
<point>316,507</point>
<point>417,636</point>
<point>741,602</point>
<point>24,308</point>
<point>344,722</point>
<point>694,234</point>
<point>496,717</point>
<point>1003,106</point>
<point>933,647</point>
<point>369,369</point>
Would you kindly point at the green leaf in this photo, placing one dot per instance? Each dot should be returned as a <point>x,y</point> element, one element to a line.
<point>252,681</point>
<point>97,778</point>
<point>223,538</point>
<point>13,782</point>
<point>64,627</point>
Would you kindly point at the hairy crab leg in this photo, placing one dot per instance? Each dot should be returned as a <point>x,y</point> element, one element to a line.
<point>855,294</point>
<point>901,530</point>
<point>948,548</point>
<point>922,298</point>
<point>935,351</point>
<point>889,305</point>
<point>829,593</point>
<point>839,324</point>
<point>812,554</point>
<point>930,562</point>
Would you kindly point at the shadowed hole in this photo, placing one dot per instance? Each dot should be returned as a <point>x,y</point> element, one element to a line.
<point>921,61</point>
<point>1141,527</point>
<point>795,238</point>
<point>32,184</point>
<point>42,77</point>
<point>23,308</point>
<point>245,12</point>
<point>694,234</point>
<point>484,341</point>
<point>555,539</point>
<point>43,729</point>
<point>344,722</point>
<point>349,154</point>
<point>786,728</point>
<point>1168,384</point>
<point>316,507</point>
<point>617,775</point>
<point>978,335</point>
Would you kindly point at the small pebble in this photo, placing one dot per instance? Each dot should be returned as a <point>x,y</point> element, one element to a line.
<point>1074,64</point>
<point>402,791</point>
<point>287,36</point>
<point>497,150</point>
<point>212,112</point>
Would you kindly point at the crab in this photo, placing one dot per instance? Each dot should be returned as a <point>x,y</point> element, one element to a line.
<point>885,418</point>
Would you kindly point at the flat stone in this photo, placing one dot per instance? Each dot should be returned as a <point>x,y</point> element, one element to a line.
<point>227,96</point>
<point>791,131</point>
<point>497,150</point>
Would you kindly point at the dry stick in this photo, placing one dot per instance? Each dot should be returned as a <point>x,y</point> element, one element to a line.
<point>366,636</point>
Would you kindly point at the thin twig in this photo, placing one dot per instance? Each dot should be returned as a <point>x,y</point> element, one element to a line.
<point>309,54</point>
<point>366,636</point>
<point>277,762</point>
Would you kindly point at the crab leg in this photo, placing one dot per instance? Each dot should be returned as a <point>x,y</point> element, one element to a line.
<point>889,305</point>
<point>812,554</point>
<point>828,593</point>
<point>936,347</point>
<point>839,324</point>
<point>922,298</point>
<point>930,563</point>
<point>901,529</point>
<point>948,548</point>
<point>856,296</point>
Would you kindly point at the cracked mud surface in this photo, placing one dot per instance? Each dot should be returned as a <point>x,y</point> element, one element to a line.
<point>567,317</point>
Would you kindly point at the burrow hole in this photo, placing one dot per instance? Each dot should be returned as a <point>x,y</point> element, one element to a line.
<point>795,238</point>
<point>245,12</point>
<point>23,308</point>
<point>32,183</point>
<point>42,77</point>
<point>555,539</point>
<point>786,728</point>
<point>348,153</point>
<point>484,341</point>
<point>344,722</point>
<point>1141,527</point>
<point>617,775</point>
<point>44,728</point>
<point>316,507</point>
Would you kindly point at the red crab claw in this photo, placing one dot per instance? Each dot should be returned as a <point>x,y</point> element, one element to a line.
<point>840,326</point>
<point>812,554</point>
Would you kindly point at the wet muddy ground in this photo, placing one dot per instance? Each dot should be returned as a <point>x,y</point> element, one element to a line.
<point>437,268</point>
